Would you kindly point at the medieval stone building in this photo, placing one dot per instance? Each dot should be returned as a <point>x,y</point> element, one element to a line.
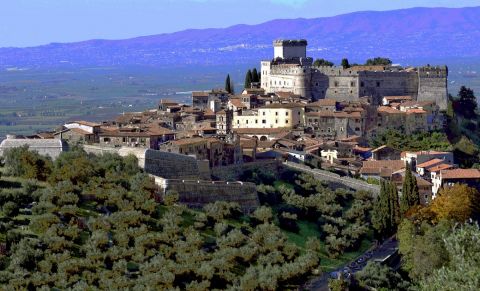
<point>291,70</point>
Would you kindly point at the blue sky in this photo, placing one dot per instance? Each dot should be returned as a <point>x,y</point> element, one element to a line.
<point>34,22</point>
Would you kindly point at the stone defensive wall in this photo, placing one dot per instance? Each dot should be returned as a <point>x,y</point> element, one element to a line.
<point>196,193</point>
<point>234,172</point>
<point>188,177</point>
<point>334,179</point>
<point>158,163</point>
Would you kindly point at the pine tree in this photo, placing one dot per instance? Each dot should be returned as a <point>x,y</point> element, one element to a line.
<point>228,84</point>
<point>248,80</point>
<point>255,76</point>
<point>410,195</point>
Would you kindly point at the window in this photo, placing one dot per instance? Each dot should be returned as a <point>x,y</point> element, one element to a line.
<point>276,113</point>
<point>362,84</point>
<point>378,84</point>
<point>336,84</point>
<point>276,120</point>
<point>286,121</point>
<point>286,113</point>
<point>264,121</point>
<point>256,120</point>
<point>238,121</point>
<point>263,113</point>
<point>352,84</point>
<point>247,121</point>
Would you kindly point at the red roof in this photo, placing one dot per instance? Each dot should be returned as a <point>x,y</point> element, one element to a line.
<point>430,163</point>
<point>460,174</point>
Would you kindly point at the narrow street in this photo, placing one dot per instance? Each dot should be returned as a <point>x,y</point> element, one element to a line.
<point>382,254</point>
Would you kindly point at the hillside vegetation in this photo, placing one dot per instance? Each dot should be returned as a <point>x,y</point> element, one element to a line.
<point>99,222</point>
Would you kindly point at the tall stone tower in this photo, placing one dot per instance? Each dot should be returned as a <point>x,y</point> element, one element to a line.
<point>290,69</point>
<point>290,49</point>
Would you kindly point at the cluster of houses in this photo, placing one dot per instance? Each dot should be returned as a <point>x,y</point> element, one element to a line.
<point>433,170</point>
<point>226,129</point>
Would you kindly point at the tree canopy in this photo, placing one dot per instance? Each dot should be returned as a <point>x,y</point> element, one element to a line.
<point>378,61</point>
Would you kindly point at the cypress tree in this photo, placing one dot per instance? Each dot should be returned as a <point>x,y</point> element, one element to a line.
<point>248,80</point>
<point>410,195</point>
<point>381,212</point>
<point>394,206</point>
<point>232,87</point>
<point>228,84</point>
<point>255,76</point>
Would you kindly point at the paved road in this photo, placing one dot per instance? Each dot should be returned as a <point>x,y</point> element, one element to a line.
<point>379,253</point>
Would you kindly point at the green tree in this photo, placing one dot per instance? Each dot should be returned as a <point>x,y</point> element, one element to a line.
<point>322,62</point>
<point>248,80</point>
<point>345,64</point>
<point>228,85</point>
<point>380,277</point>
<point>378,62</point>
<point>410,196</point>
<point>255,75</point>
<point>467,102</point>
<point>461,273</point>
<point>22,162</point>
<point>422,247</point>
<point>386,210</point>
<point>10,209</point>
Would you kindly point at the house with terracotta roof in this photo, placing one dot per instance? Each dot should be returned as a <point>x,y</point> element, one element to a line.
<point>145,137</point>
<point>322,105</point>
<point>388,100</point>
<point>236,104</point>
<point>433,165</point>
<point>417,158</point>
<point>380,169</point>
<point>450,177</point>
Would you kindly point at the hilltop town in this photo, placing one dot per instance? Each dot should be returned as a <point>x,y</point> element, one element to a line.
<point>295,111</point>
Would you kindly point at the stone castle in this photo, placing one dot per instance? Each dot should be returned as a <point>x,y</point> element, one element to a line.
<point>291,70</point>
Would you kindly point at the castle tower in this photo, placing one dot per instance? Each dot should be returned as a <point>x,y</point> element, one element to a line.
<point>290,49</point>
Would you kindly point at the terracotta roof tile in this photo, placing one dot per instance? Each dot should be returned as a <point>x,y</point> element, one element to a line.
<point>430,163</point>
<point>460,174</point>
<point>440,167</point>
<point>389,110</point>
<point>323,102</point>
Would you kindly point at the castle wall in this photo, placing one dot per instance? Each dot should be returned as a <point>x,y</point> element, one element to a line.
<point>234,172</point>
<point>196,193</point>
<point>433,85</point>
<point>170,165</point>
<point>380,84</point>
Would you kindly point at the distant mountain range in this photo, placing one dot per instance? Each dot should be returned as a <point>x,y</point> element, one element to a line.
<point>417,33</point>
